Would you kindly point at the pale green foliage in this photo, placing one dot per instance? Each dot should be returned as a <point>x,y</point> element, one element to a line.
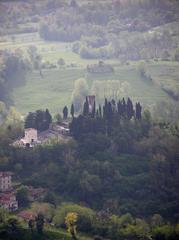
<point>110,89</point>
<point>3,216</point>
<point>80,91</point>
<point>46,209</point>
<point>156,220</point>
<point>85,215</point>
<point>13,117</point>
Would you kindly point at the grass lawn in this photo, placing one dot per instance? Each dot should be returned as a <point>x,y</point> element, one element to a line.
<point>48,233</point>
<point>54,90</point>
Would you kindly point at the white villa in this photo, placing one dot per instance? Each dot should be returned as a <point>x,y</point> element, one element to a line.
<point>30,135</point>
<point>30,138</point>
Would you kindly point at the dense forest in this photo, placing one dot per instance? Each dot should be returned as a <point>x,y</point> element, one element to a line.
<point>114,152</point>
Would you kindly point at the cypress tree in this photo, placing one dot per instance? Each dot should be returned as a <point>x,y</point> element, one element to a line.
<point>86,108</point>
<point>48,118</point>
<point>97,113</point>
<point>100,111</point>
<point>72,110</point>
<point>138,112</point>
<point>65,113</point>
<point>105,109</point>
<point>94,110</point>
<point>130,110</point>
<point>30,121</point>
<point>120,108</point>
<point>123,108</point>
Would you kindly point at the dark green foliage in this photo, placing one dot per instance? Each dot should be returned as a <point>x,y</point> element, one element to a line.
<point>86,108</point>
<point>40,223</point>
<point>39,120</point>
<point>72,110</point>
<point>130,110</point>
<point>31,224</point>
<point>138,111</point>
<point>113,164</point>
<point>96,122</point>
<point>65,113</point>
<point>22,196</point>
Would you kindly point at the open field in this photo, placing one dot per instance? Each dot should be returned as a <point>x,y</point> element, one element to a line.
<point>53,91</point>
<point>55,88</point>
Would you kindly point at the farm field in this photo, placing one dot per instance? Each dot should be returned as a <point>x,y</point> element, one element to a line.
<point>54,89</point>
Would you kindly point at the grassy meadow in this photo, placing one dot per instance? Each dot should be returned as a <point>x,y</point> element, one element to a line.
<point>54,89</point>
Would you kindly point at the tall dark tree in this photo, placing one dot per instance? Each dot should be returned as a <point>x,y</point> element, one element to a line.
<point>65,113</point>
<point>100,111</point>
<point>72,110</point>
<point>105,109</point>
<point>30,121</point>
<point>138,111</point>
<point>86,108</point>
<point>113,104</point>
<point>40,223</point>
<point>130,109</point>
<point>120,108</point>
<point>124,106</point>
<point>31,224</point>
<point>93,110</point>
<point>40,120</point>
<point>48,118</point>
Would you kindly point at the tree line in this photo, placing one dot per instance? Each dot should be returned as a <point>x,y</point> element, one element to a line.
<point>39,120</point>
<point>103,118</point>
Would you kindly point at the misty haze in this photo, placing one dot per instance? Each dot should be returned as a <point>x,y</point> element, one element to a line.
<point>89,120</point>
